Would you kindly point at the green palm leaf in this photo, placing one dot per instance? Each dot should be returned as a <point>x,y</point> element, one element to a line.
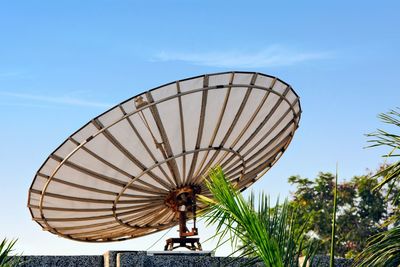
<point>391,173</point>
<point>266,233</point>
<point>6,247</point>
<point>383,249</point>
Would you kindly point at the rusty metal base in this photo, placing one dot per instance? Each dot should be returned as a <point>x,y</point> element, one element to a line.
<point>183,242</point>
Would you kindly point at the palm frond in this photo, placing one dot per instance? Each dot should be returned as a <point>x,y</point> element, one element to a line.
<point>6,247</point>
<point>390,173</point>
<point>267,233</point>
<point>383,249</point>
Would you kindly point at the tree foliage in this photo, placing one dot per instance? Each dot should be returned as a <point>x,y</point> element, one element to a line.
<point>360,211</point>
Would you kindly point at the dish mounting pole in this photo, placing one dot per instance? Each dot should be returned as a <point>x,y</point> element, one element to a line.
<point>183,202</point>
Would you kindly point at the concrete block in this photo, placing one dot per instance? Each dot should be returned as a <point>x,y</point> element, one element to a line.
<point>62,261</point>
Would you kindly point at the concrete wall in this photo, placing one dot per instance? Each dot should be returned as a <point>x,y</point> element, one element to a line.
<point>323,261</point>
<point>62,261</point>
<point>141,259</point>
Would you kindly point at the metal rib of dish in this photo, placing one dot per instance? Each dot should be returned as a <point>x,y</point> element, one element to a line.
<point>108,181</point>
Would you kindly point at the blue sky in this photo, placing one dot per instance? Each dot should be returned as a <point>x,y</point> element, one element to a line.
<point>64,62</point>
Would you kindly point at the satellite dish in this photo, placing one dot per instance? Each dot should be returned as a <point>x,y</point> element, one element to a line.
<point>136,169</point>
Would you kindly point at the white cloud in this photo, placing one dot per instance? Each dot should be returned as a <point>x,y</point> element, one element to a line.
<point>63,100</point>
<point>272,56</point>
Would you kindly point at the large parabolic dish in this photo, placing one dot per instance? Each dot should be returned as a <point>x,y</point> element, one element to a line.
<point>109,181</point>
